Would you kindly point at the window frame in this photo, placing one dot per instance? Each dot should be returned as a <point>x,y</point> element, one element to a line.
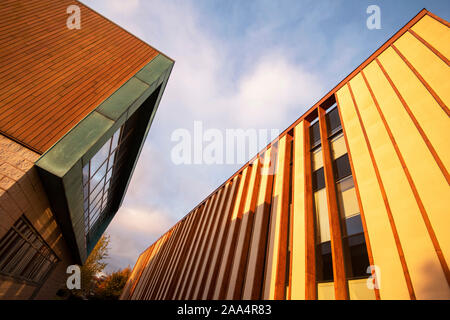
<point>35,254</point>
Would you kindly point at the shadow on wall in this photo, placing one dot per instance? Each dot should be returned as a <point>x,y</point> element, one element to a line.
<point>432,287</point>
<point>21,193</point>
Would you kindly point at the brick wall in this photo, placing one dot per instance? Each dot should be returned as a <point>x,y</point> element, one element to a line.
<point>21,192</point>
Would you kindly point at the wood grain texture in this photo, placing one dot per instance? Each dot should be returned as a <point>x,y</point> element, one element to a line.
<point>51,77</point>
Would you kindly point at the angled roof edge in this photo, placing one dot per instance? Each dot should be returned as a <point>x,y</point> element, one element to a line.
<point>133,35</point>
<point>60,167</point>
<point>63,155</point>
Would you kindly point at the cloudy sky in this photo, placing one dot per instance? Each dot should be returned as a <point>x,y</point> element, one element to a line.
<point>239,64</point>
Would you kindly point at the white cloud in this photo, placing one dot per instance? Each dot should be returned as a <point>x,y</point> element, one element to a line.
<point>143,220</point>
<point>132,231</point>
<point>124,6</point>
<point>214,80</point>
<point>272,89</point>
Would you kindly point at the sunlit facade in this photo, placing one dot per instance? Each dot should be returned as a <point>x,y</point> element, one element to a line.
<point>357,207</point>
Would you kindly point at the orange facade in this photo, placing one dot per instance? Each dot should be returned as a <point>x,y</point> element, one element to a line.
<point>356,208</point>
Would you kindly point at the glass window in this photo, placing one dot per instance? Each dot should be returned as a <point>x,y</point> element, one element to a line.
<point>353,225</point>
<point>85,174</point>
<point>97,174</point>
<point>314,134</point>
<point>347,200</point>
<point>354,246</point>
<point>321,211</point>
<point>316,159</point>
<point>99,158</point>
<point>324,263</point>
<point>337,146</point>
<point>355,250</point>
<point>24,254</point>
<point>333,121</point>
<point>341,167</point>
<point>318,179</point>
<point>357,260</point>
<point>115,140</point>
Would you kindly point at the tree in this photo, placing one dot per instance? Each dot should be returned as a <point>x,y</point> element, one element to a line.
<point>91,272</point>
<point>94,265</point>
<point>111,286</point>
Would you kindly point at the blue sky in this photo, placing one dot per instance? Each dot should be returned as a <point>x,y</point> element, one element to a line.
<point>239,64</point>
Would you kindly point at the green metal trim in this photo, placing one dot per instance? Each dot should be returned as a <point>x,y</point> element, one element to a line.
<point>60,167</point>
<point>163,83</point>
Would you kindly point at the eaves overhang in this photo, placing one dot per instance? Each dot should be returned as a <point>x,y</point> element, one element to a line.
<point>61,167</point>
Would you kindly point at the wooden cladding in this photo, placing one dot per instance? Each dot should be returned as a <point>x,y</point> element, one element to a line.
<point>395,114</point>
<point>224,242</point>
<point>52,76</point>
<point>254,237</point>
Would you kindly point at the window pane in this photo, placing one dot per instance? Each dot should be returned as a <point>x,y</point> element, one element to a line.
<point>94,200</point>
<point>358,261</point>
<point>98,188</point>
<point>111,160</point>
<point>321,213</point>
<point>98,159</point>
<point>318,180</point>
<point>108,175</point>
<point>115,139</point>
<point>100,168</point>
<point>86,173</point>
<point>98,176</point>
<point>324,262</point>
<point>23,252</point>
<point>341,167</point>
<point>333,121</point>
<point>347,200</point>
<point>316,159</point>
<point>353,225</point>
<point>338,147</point>
<point>314,134</point>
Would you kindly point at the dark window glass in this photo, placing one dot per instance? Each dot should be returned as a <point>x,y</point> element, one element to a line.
<point>314,134</point>
<point>24,254</point>
<point>342,167</point>
<point>353,225</point>
<point>96,185</point>
<point>324,263</point>
<point>333,121</point>
<point>318,179</point>
<point>357,260</point>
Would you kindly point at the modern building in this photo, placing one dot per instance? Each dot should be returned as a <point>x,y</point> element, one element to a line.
<point>75,109</point>
<point>357,206</point>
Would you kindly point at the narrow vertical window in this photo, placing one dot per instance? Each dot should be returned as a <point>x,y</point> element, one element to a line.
<point>289,222</point>
<point>355,250</point>
<point>324,261</point>
<point>97,175</point>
